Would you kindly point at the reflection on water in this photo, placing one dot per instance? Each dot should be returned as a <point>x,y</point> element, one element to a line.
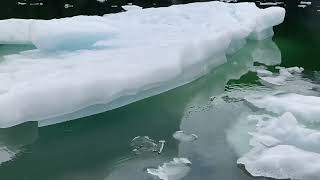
<point>98,147</point>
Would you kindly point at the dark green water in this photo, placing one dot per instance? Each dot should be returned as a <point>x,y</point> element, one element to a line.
<point>97,147</point>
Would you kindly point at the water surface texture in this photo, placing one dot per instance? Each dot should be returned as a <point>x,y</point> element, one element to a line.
<point>98,147</point>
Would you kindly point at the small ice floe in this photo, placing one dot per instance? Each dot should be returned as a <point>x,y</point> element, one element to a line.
<point>131,7</point>
<point>67,6</point>
<point>302,6</point>
<point>264,73</point>
<point>306,2</point>
<point>282,148</point>
<point>183,137</point>
<point>36,4</point>
<point>173,170</point>
<point>22,3</point>
<point>272,81</point>
<point>267,78</point>
<point>305,108</point>
<point>143,144</point>
<point>294,70</point>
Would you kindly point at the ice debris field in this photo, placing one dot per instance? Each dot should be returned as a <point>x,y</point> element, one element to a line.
<point>88,64</point>
<point>279,137</point>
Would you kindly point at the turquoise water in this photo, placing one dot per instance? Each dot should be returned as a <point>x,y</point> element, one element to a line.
<point>98,147</point>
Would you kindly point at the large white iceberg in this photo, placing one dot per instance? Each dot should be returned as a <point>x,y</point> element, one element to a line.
<point>120,58</point>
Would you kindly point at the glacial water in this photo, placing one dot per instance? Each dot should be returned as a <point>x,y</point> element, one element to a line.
<point>98,147</point>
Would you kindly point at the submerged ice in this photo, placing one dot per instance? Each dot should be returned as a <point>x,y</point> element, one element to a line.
<point>86,65</point>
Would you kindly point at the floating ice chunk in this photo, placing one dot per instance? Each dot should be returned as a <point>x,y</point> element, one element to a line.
<point>295,70</point>
<point>302,5</point>
<point>283,149</point>
<point>173,170</point>
<point>271,81</point>
<point>183,137</point>
<point>160,52</point>
<point>288,72</point>
<point>143,144</point>
<point>282,162</point>
<point>306,2</point>
<point>264,72</point>
<point>287,130</point>
<point>131,7</point>
<point>305,108</point>
<point>284,75</point>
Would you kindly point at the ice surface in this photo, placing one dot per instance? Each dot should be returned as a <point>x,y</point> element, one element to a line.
<point>283,149</point>
<point>237,20</point>
<point>305,108</point>
<point>121,58</point>
<point>57,34</point>
<point>173,170</point>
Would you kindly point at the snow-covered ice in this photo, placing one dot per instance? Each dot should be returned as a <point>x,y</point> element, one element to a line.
<point>86,65</point>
